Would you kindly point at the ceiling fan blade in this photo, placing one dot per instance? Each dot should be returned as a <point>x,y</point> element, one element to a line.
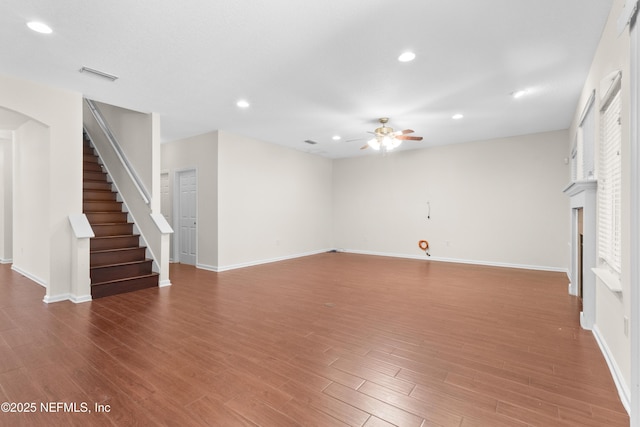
<point>409,138</point>
<point>364,146</point>
<point>402,132</point>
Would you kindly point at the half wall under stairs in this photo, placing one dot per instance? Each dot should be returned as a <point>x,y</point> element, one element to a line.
<point>118,263</point>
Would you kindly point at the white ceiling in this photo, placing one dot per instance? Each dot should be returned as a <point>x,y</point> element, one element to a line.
<point>314,69</point>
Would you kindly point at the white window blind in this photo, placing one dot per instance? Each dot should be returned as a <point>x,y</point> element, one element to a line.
<point>609,184</point>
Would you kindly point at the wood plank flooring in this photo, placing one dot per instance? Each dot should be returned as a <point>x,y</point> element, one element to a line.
<point>328,340</point>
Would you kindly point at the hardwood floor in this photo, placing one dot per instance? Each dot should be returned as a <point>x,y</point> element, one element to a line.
<point>328,340</point>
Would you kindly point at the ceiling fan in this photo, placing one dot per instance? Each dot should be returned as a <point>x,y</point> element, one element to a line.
<point>386,139</point>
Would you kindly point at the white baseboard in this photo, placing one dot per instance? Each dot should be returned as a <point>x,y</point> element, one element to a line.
<point>207,267</point>
<point>618,378</point>
<point>67,297</point>
<point>6,261</point>
<point>219,269</point>
<point>80,299</point>
<point>458,260</point>
<point>56,298</point>
<point>52,298</point>
<point>164,283</point>
<point>29,276</point>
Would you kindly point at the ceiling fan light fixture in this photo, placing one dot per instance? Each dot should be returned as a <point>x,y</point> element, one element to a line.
<point>386,139</point>
<point>336,137</point>
<point>407,57</point>
<point>386,143</point>
<point>374,143</point>
<point>243,103</point>
<point>389,143</point>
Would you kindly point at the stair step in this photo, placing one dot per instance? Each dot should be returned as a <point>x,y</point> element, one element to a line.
<point>117,263</point>
<point>104,289</point>
<point>113,229</point>
<point>96,185</point>
<point>108,273</point>
<point>117,256</point>
<point>114,242</point>
<point>101,206</point>
<point>106,217</point>
<point>94,176</point>
<point>98,195</point>
<point>91,167</point>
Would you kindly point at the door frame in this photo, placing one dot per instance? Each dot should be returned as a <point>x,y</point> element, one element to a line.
<point>176,212</point>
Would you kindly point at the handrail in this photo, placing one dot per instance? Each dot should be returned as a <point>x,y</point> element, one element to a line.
<point>116,147</point>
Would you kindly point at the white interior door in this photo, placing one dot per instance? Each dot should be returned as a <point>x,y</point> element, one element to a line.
<point>187,216</point>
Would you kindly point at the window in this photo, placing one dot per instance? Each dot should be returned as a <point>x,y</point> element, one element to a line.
<point>609,182</point>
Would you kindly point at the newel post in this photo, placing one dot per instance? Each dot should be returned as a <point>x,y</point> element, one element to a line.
<point>80,261</point>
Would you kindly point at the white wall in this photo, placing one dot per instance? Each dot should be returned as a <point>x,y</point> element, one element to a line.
<point>6,200</point>
<point>495,202</point>
<point>273,202</point>
<point>257,202</point>
<point>613,54</point>
<point>199,153</point>
<point>133,130</point>
<point>61,112</point>
<point>31,202</point>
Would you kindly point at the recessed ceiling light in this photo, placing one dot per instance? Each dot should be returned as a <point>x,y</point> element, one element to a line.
<point>336,137</point>
<point>39,27</point>
<point>520,93</point>
<point>243,104</point>
<point>407,57</point>
<point>457,116</point>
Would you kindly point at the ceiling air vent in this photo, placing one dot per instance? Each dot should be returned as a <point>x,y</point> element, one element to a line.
<point>308,141</point>
<point>99,73</point>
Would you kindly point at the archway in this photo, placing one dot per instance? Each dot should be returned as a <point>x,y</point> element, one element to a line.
<point>24,153</point>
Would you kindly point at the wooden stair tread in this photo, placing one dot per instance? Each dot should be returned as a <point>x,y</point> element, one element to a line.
<point>101,251</point>
<point>122,264</point>
<point>115,236</point>
<point>119,286</point>
<point>126,279</point>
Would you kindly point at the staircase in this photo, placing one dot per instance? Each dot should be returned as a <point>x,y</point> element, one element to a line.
<point>118,264</point>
